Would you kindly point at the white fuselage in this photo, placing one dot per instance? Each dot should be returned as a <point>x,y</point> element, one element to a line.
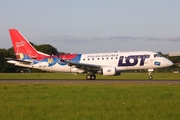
<point>126,60</point>
<point>119,60</point>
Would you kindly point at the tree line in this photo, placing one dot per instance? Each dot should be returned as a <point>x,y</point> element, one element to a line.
<point>48,49</point>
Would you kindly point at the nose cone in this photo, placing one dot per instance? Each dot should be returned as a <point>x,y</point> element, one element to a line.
<point>169,63</point>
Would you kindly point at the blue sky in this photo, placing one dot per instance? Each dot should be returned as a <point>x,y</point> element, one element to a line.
<point>79,26</point>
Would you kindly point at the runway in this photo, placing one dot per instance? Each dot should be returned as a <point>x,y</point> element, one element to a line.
<point>89,81</point>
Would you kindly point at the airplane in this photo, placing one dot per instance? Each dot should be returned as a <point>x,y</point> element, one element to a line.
<point>112,63</point>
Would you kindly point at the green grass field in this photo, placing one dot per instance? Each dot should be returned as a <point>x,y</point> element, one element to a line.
<point>89,102</point>
<point>64,76</point>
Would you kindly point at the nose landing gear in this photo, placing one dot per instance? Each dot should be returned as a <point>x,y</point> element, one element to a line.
<point>150,77</point>
<point>150,72</point>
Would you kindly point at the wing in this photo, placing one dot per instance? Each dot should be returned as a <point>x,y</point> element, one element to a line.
<point>87,67</point>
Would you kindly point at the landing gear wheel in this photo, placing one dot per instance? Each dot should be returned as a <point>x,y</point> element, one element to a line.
<point>149,72</point>
<point>150,77</point>
<point>93,77</point>
<point>90,77</point>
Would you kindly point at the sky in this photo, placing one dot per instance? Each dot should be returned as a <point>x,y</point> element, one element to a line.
<point>90,26</point>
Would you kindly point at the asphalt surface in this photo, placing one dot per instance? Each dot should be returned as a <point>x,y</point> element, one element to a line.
<point>89,81</point>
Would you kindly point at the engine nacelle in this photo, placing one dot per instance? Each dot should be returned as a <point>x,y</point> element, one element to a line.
<point>110,71</point>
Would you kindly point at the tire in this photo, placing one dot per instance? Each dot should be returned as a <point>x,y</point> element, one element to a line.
<point>93,77</point>
<point>150,77</point>
<point>88,77</point>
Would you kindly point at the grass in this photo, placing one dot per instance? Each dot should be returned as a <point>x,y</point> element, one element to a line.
<point>87,102</point>
<point>64,76</point>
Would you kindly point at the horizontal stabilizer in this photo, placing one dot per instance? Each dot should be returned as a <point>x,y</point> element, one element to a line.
<point>22,61</point>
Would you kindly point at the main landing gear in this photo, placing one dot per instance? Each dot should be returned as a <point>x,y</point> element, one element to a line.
<point>149,73</point>
<point>91,77</point>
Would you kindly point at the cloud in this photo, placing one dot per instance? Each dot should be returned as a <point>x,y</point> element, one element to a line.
<point>152,39</point>
<point>116,38</point>
<point>82,40</point>
<point>174,39</point>
<point>161,39</point>
<point>113,43</point>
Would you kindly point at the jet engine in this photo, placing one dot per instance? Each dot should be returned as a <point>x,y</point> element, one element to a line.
<point>110,71</point>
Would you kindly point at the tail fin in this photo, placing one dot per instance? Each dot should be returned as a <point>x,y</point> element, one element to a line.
<point>22,48</point>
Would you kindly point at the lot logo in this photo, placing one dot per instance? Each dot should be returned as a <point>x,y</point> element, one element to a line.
<point>132,60</point>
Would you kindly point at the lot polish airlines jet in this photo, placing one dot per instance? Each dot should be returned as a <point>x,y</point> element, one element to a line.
<point>105,63</point>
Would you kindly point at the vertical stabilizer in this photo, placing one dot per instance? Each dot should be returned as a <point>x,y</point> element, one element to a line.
<point>22,48</point>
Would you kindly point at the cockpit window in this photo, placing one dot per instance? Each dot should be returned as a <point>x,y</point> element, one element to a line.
<point>157,55</point>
